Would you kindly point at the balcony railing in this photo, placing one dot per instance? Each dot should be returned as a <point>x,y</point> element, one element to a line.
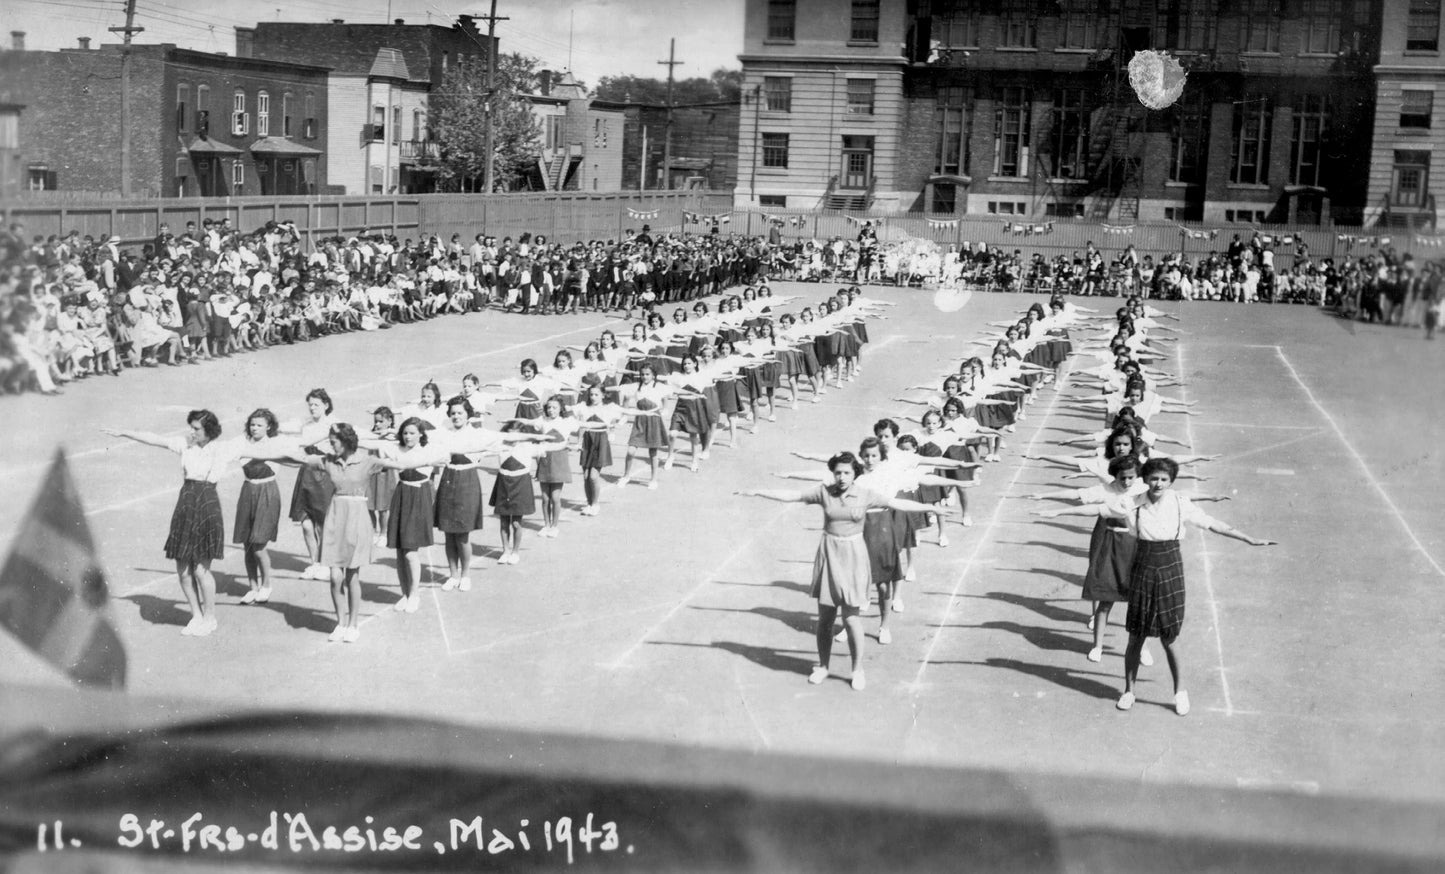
<point>412,150</point>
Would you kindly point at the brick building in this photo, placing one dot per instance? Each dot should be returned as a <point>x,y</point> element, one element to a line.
<point>200,123</point>
<point>1406,136</point>
<point>581,142</point>
<point>1017,107</point>
<point>381,79</point>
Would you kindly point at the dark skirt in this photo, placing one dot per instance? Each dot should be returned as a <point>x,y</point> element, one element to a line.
<point>860,331</point>
<point>410,524</point>
<point>825,349</point>
<point>459,501</point>
<point>929,494</point>
<point>383,483</point>
<point>648,432</point>
<point>729,402</point>
<point>513,495</point>
<point>690,416</point>
<point>198,531</point>
<point>596,450</point>
<point>906,525</point>
<point>755,381</point>
<point>1156,591</point>
<point>810,359</point>
<point>554,468</point>
<point>790,362</point>
<point>711,408</point>
<point>882,548</point>
<point>1111,560</point>
<point>312,495</point>
<point>258,513</point>
<point>994,415</point>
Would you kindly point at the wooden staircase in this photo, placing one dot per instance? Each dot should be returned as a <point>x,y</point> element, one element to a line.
<point>848,199</point>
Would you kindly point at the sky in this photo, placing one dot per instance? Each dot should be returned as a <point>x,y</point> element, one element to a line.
<point>608,37</point>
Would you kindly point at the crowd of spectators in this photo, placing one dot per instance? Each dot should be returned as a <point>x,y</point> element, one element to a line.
<point>74,307</point>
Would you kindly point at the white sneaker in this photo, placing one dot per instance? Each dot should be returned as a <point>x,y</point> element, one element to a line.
<point>652,484</point>
<point>668,465</point>
<point>942,539</point>
<point>896,604</point>
<point>263,594</point>
<point>207,625</point>
<point>693,467</point>
<point>413,603</point>
<point>841,636</point>
<point>703,455</point>
<point>1145,658</point>
<point>352,635</point>
<point>1181,702</point>
<point>885,636</point>
<point>1096,654</point>
<point>400,605</point>
<point>1125,701</point>
<point>464,584</point>
<point>859,682</point>
<point>513,558</point>
<point>910,576</point>
<point>450,584</point>
<point>967,521</point>
<point>190,629</point>
<point>249,597</point>
<point>338,634</point>
<point>818,675</point>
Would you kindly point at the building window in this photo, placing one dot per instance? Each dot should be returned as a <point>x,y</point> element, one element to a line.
<point>1020,29</point>
<point>1322,26</point>
<point>287,102</point>
<point>1188,137</point>
<point>1411,177</point>
<point>309,110</point>
<point>9,128</point>
<point>238,176</point>
<point>203,110</point>
<point>1188,25</point>
<point>418,125</point>
<point>396,124</point>
<point>39,177</point>
<point>1080,24</point>
<point>780,200</point>
<point>599,134</point>
<point>782,16</point>
<point>1070,135</point>
<point>775,150</point>
<point>263,114</point>
<point>945,198</point>
<point>1249,158</point>
<point>554,132</point>
<point>956,25</point>
<point>1259,26</point>
<point>1012,133</point>
<point>1005,207</point>
<point>183,99</point>
<point>240,121</point>
<point>777,94</point>
<point>1416,107</point>
<point>1064,210</point>
<point>1422,28</point>
<point>952,131</point>
<point>1244,216</point>
<point>378,124</point>
<point>865,21</point>
<point>860,96</point>
<point>1306,147</point>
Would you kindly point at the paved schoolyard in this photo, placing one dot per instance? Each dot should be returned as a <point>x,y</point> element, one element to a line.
<point>681,614</point>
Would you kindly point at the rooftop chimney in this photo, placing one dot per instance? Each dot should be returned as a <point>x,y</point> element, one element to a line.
<point>17,40</point>
<point>84,43</point>
<point>544,81</point>
<point>338,21</point>
<point>399,21</point>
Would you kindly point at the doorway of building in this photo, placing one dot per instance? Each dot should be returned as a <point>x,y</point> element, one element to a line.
<point>857,163</point>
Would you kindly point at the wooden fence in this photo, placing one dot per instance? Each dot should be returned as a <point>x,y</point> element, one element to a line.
<point>571,217</point>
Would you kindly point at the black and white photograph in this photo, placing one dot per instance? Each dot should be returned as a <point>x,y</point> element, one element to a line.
<point>410,412</point>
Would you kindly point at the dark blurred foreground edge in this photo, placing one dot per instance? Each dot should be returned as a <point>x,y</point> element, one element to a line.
<point>258,793</point>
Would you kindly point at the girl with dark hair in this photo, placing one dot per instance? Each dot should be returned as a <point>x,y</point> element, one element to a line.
<point>690,415</point>
<point>1156,519</point>
<point>312,494</point>
<point>346,541</point>
<point>409,521</point>
<point>530,389</point>
<point>512,496</point>
<point>1123,440</point>
<point>649,430</point>
<point>197,533</point>
<point>841,568</point>
<point>459,509</point>
<point>429,408</point>
<point>553,469</point>
<point>383,482</point>
<point>596,417</point>
<point>258,510</point>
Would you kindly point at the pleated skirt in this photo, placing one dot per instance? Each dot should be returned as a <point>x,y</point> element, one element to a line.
<point>459,501</point>
<point>1156,590</point>
<point>513,495</point>
<point>596,450</point>
<point>1111,560</point>
<point>554,467</point>
<point>882,547</point>
<point>648,432</point>
<point>410,524</point>
<point>690,416</point>
<point>198,530</point>
<point>346,539</point>
<point>311,497</point>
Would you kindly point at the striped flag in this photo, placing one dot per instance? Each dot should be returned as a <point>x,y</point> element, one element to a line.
<point>53,595</point>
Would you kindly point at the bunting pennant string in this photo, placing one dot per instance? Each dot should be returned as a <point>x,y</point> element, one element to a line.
<point>789,221</point>
<point>1017,228</point>
<point>857,220</point>
<point>694,218</point>
<point>1118,229</point>
<point>1198,235</point>
<point>1430,241</point>
<point>938,224</point>
<point>1350,240</point>
<point>645,215</point>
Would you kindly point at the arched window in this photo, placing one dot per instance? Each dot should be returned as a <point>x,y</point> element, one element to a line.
<point>203,110</point>
<point>287,105</point>
<point>240,121</point>
<point>263,113</point>
<point>183,99</point>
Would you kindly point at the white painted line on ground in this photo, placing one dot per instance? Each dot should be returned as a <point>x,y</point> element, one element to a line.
<point>1204,554</point>
<point>1254,425</point>
<point>765,529</point>
<point>1305,787</point>
<point>1274,471</point>
<point>917,683</point>
<point>1273,446</point>
<point>1359,459</point>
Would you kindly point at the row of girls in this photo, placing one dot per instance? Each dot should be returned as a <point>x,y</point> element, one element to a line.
<point>1134,548</point>
<point>878,500</point>
<point>417,470</point>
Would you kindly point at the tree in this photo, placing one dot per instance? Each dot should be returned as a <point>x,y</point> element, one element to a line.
<point>457,114</point>
<point>723,85</point>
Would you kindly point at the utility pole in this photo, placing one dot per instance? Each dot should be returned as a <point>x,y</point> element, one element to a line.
<point>128,30</point>
<point>667,131</point>
<point>491,92</point>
